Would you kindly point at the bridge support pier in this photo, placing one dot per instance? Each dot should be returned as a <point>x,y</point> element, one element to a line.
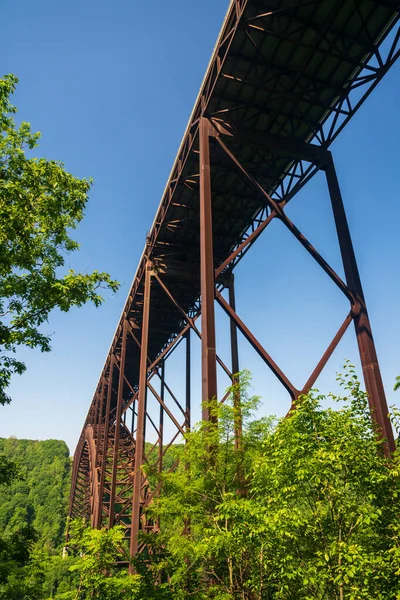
<point>352,288</point>
<point>188,381</point>
<point>161,418</point>
<point>141,416</point>
<point>105,444</point>
<point>235,367</point>
<point>111,516</point>
<point>365,340</point>
<point>208,344</point>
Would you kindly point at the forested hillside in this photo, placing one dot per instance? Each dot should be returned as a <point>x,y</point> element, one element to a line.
<point>39,495</point>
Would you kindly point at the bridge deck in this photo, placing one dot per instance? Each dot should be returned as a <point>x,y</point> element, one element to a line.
<point>295,69</point>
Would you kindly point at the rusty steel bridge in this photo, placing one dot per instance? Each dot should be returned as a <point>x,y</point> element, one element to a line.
<point>285,78</point>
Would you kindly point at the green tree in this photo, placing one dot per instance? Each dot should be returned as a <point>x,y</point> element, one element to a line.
<point>49,575</point>
<point>318,518</point>
<point>38,497</point>
<point>15,546</point>
<point>40,203</point>
<point>192,549</point>
<point>33,509</point>
<point>100,577</point>
<point>8,470</point>
<point>15,551</point>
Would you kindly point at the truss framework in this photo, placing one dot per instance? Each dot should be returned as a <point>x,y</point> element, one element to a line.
<point>284,80</point>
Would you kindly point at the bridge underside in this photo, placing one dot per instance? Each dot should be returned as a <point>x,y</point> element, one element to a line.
<point>284,80</point>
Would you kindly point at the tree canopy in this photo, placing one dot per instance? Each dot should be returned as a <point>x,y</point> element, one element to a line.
<point>317,517</point>
<point>38,495</point>
<point>33,509</point>
<point>40,203</point>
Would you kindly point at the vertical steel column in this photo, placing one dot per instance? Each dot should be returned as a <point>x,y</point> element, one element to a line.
<point>133,417</point>
<point>72,493</point>
<point>238,425</point>
<point>117,426</point>
<point>99,420</point>
<point>141,415</point>
<point>105,445</point>
<point>186,524</point>
<point>208,350</point>
<point>95,414</point>
<point>97,437</point>
<point>145,413</point>
<point>161,422</point>
<point>188,382</point>
<point>369,359</point>
<point>161,429</point>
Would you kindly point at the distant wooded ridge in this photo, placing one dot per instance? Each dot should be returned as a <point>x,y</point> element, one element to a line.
<point>39,495</point>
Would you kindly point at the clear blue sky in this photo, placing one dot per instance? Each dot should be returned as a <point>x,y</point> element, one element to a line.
<point>111,87</point>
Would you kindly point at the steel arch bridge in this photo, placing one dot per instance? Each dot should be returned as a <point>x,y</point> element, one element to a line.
<point>285,78</point>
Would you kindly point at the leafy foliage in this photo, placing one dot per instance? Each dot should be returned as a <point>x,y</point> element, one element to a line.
<point>100,577</point>
<point>15,547</point>
<point>318,517</point>
<point>8,470</point>
<point>40,202</point>
<point>15,551</point>
<point>35,479</point>
<point>303,508</point>
<point>38,496</point>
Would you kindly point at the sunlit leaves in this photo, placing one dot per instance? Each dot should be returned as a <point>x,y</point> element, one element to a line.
<point>317,518</point>
<point>40,203</point>
<point>99,575</point>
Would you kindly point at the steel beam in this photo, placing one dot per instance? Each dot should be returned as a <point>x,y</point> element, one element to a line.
<point>289,147</point>
<point>277,208</point>
<point>161,420</point>
<point>249,240</point>
<point>99,418</point>
<point>188,381</point>
<point>293,392</point>
<point>191,322</point>
<point>208,343</point>
<point>237,408</point>
<point>105,445</point>
<point>365,340</point>
<point>111,516</point>
<point>327,354</point>
<point>137,478</point>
